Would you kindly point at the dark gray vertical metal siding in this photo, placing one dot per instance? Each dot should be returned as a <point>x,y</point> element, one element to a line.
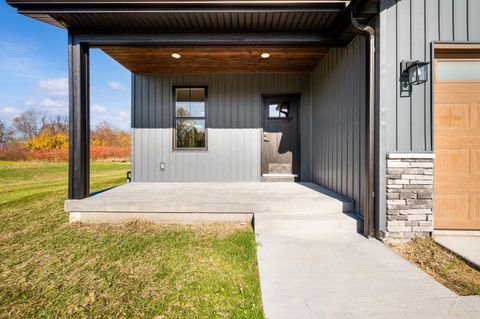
<point>234,120</point>
<point>338,116</point>
<point>406,30</point>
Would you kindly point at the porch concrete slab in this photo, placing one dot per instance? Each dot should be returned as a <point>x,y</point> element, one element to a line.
<point>212,198</point>
<point>306,273</point>
<point>462,244</point>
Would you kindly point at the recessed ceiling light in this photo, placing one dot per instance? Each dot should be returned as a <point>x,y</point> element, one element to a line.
<point>176,56</point>
<point>265,55</point>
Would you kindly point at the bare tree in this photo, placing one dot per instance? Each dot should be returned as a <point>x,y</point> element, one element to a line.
<point>6,133</point>
<point>59,123</point>
<point>29,124</point>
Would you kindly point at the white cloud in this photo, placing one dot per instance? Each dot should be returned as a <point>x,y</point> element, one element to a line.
<point>50,103</point>
<point>51,96</point>
<point>10,110</point>
<point>116,85</point>
<point>97,108</point>
<point>9,113</point>
<point>54,87</point>
<point>118,119</point>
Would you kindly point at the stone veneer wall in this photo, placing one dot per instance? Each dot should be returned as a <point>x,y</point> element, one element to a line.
<point>409,196</point>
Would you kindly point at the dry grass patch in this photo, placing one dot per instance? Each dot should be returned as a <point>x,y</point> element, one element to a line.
<point>450,270</point>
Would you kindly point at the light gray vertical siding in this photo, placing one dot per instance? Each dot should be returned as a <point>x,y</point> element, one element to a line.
<point>338,119</point>
<point>234,121</point>
<point>406,31</point>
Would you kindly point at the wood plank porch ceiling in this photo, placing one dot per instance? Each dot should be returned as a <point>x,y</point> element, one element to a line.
<point>214,59</point>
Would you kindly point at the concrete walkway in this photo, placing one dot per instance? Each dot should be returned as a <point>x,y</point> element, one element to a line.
<point>320,272</point>
<point>464,243</point>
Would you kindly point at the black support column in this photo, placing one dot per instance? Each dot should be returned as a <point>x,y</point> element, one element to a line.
<point>79,118</point>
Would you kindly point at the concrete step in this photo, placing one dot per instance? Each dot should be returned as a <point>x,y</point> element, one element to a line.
<point>276,178</point>
<point>279,168</point>
<point>161,218</point>
<point>306,206</point>
<point>302,223</point>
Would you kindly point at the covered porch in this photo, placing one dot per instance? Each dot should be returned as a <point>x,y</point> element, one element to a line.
<point>240,53</point>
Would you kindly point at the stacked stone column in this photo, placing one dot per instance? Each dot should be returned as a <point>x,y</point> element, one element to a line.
<point>409,196</point>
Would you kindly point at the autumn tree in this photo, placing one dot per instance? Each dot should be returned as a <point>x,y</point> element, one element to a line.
<point>52,135</point>
<point>105,134</point>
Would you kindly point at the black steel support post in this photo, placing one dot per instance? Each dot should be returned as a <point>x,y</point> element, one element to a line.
<point>79,119</point>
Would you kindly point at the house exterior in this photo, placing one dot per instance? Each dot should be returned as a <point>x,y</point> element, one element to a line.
<point>330,92</point>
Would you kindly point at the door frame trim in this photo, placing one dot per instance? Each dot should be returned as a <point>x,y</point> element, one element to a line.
<point>298,97</point>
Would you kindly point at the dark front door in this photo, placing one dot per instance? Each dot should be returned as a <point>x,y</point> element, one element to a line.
<point>280,147</point>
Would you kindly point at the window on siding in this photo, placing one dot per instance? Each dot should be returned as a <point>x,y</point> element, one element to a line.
<point>190,118</point>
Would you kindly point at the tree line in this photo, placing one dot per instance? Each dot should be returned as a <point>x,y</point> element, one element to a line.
<point>39,136</point>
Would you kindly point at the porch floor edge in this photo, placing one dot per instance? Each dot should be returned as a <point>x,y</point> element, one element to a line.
<point>161,218</point>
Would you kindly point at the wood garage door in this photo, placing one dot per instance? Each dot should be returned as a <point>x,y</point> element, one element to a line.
<point>457,139</point>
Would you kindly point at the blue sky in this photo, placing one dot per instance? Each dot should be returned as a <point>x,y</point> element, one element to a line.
<point>33,73</point>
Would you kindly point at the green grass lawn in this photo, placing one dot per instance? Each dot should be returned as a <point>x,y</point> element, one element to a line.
<point>50,268</point>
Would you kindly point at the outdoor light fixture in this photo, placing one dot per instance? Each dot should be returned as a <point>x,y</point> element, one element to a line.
<point>176,56</point>
<point>265,55</point>
<point>415,72</point>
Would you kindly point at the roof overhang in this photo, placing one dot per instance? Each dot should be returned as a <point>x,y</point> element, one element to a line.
<point>295,32</point>
<point>177,5</point>
<point>204,16</point>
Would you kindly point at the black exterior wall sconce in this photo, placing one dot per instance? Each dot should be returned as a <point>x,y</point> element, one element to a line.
<point>414,72</point>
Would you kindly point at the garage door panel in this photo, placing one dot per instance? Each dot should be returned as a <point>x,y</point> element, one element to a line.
<point>456,92</point>
<point>475,162</point>
<point>474,115</point>
<point>446,140</point>
<point>474,212</point>
<point>455,186</point>
<point>452,162</point>
<point>452,115</point>
<point>450,208</point>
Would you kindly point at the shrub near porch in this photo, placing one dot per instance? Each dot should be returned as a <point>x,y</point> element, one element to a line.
<point>50,268</point>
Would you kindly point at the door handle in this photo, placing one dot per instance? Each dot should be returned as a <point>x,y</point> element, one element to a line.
<point>265,137</point>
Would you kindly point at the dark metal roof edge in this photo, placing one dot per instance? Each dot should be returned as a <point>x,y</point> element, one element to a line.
<point>75,7</point>
<point>180,2</point>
